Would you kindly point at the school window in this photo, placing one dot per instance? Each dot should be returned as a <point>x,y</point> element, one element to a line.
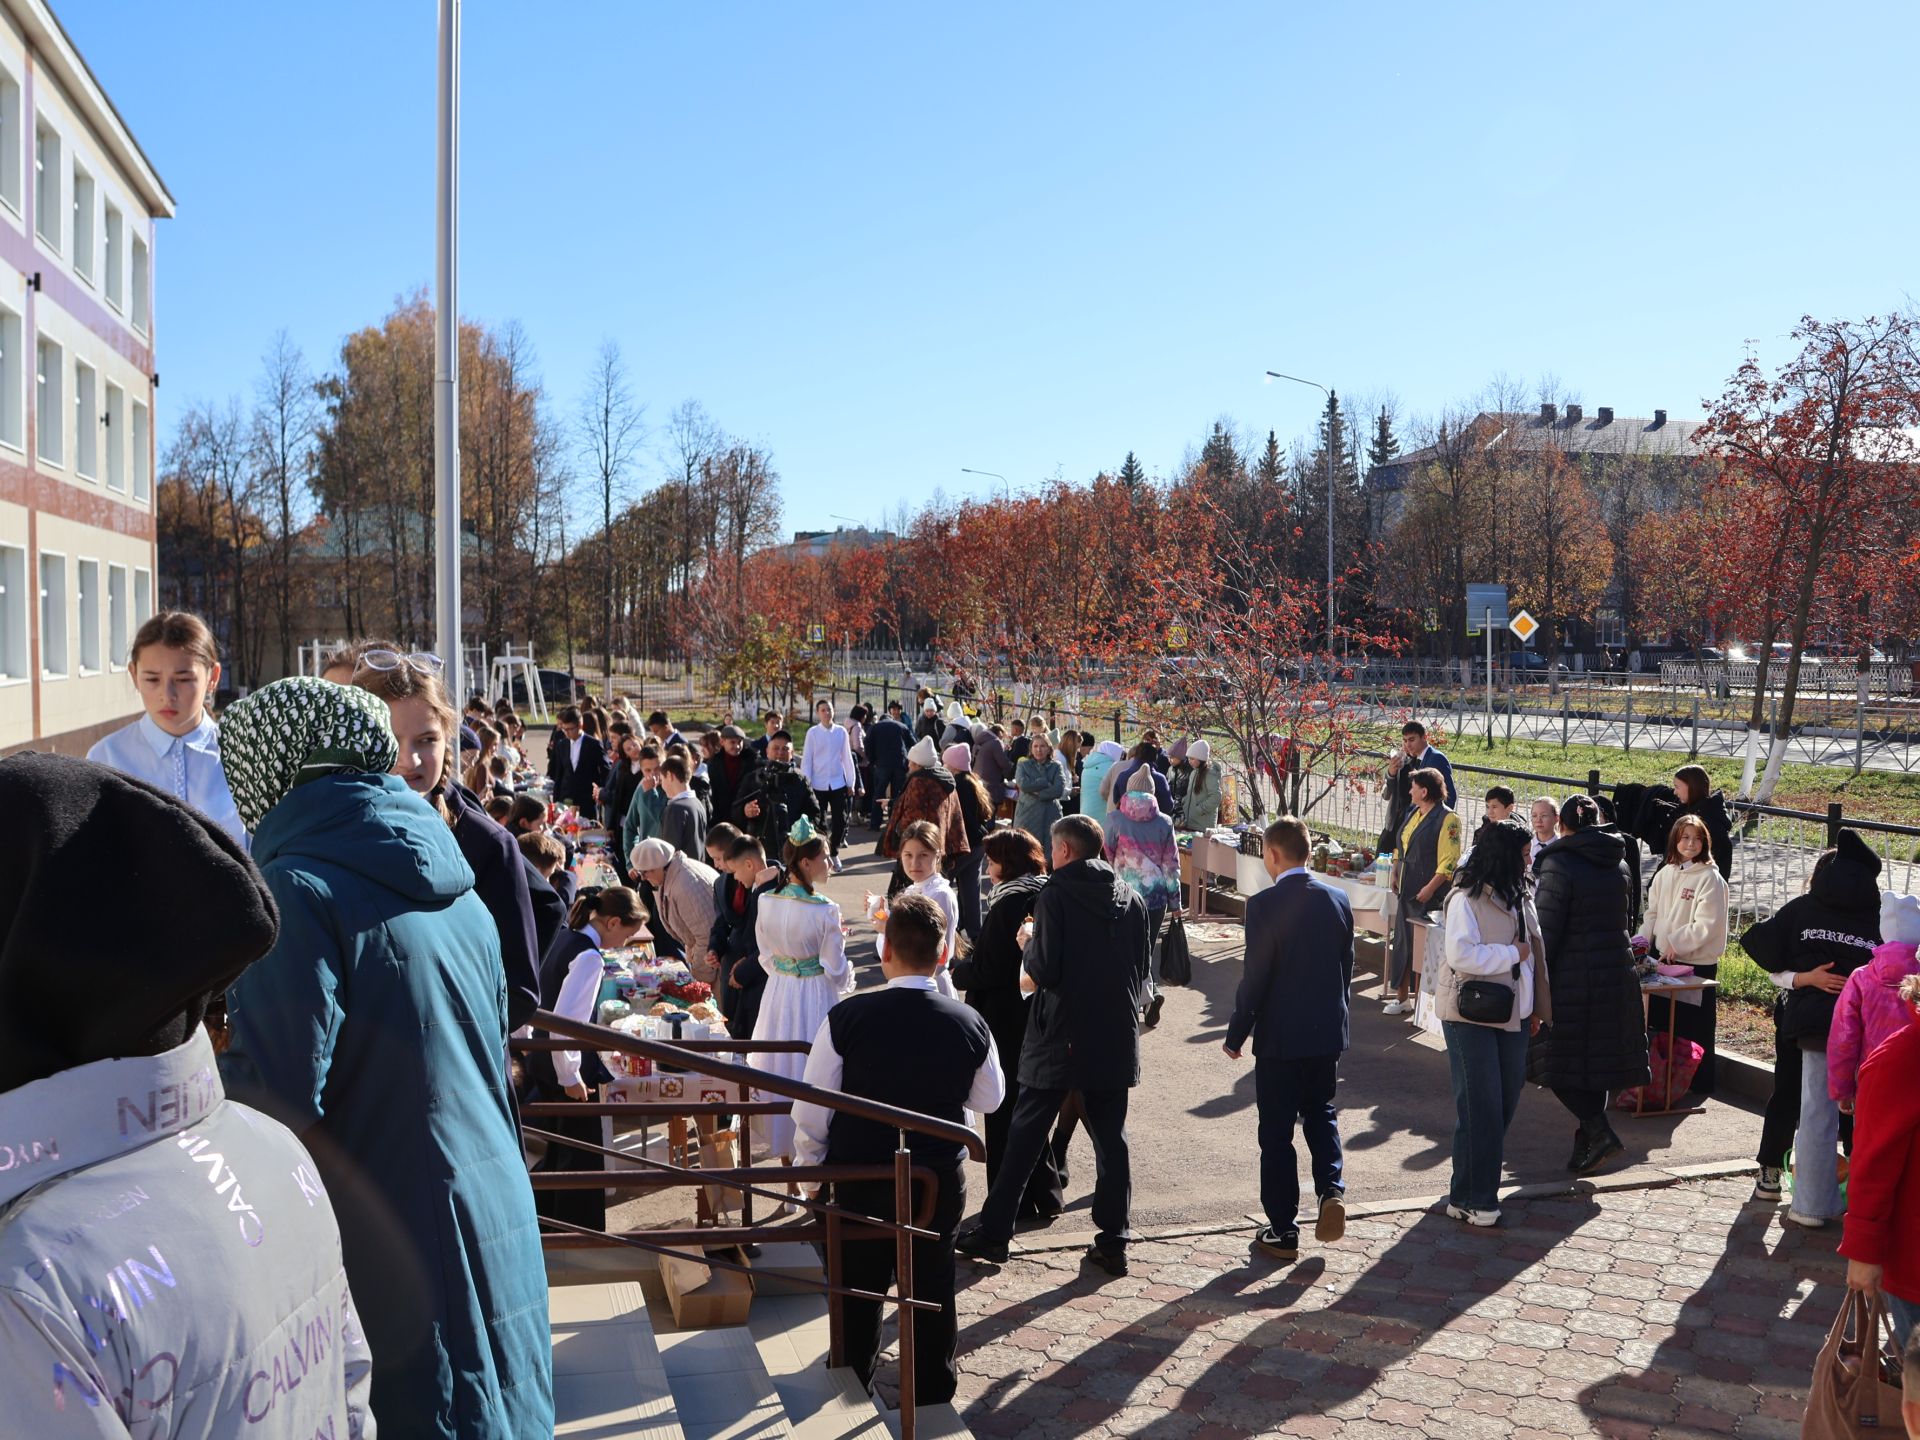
<point>12,407</point>
<point>117,631</point>
<point>139,444</point>
<point>116,261</point>
<point>142,597</point>
<point>89,571</point>
<point>46,184</point>
<point>86,421</point>
<point>114,433</point>
<point>137,311</point>
<point>15,600</point>
<point>10,141</point>
<point>83,201</point>
<point>49,419</point>
<point>53,617</point>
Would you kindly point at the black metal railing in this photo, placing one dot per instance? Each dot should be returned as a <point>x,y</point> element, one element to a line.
<point>834,1227</point>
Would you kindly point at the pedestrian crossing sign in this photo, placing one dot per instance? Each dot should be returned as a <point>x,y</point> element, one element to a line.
<point>816,634</point>
<point>1176,637</point>
<point>1523,625</point>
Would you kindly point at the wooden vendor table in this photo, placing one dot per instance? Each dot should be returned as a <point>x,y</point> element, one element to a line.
<point>1673,989</point>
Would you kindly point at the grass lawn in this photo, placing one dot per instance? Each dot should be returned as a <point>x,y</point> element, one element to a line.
<point>1872,795</point>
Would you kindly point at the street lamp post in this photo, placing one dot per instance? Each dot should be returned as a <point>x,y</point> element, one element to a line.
<point>992,475</point>
<point>1276,375</point>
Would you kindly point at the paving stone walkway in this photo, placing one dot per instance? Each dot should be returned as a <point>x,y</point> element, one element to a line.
<point>1677,1311</point>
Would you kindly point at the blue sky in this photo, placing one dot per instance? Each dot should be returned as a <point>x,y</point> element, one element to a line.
<point>892,240</point>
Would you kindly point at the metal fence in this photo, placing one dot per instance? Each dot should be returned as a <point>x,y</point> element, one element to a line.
<point>1835,724</point>
<point>1774,849</point>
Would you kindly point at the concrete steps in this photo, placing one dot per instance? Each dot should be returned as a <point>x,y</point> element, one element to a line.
<point>622,1371</point>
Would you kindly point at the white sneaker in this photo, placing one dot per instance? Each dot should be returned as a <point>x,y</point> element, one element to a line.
<point>1395,1007</point>
<point>1811,1222</point>
<point>1482,1218</point>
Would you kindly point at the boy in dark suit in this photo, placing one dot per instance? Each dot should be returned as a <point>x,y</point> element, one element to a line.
<point>906,1045</point>
<point>1293,1001</point>
<point>577,763</point>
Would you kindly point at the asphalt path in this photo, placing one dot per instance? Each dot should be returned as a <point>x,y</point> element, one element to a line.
<point>1192,1121</point>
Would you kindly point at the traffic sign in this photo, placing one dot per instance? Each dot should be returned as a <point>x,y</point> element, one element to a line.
<point>1176,637</point>
<point>816,634</point>
<point>1523,625</point>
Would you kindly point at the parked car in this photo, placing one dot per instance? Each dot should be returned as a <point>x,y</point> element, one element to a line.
<point>1699,655</point>
<point>557,687</point>
<point>1533,662</point>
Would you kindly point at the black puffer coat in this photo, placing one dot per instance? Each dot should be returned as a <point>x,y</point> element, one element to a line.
<point>1089,958</point>
<point>990,972</point>
<point>1598,1039</point>
<point>1837,922</point>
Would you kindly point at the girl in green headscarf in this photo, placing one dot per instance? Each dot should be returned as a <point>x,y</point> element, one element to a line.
<point>376,1028</point>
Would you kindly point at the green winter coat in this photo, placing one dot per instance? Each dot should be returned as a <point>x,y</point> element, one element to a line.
<point>376,1029</point>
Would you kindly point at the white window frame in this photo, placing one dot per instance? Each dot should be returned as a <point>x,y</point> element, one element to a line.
<point>140,290</point>
<point>13,397</point>
<point>42,595</point>
<point>119,608</point>
<point>138,429</point>
<point>19,587</point>
<point>86,421</point>
<point>142,605</point>
<point>115,438</point>
<point>89,629</point>
<point>11,145</point>
<point>47,171</point>
<point>113,235</point>
<point>86,229</point>
<point>49,398</point>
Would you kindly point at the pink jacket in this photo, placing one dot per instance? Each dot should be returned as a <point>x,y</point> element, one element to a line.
<point>1870,1012</point>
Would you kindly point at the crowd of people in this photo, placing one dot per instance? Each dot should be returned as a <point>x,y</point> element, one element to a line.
<point>362,901</point>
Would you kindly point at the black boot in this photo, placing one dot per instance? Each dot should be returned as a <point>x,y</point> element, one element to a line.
<point>1601,1145</point>
<point>1579,1148</point>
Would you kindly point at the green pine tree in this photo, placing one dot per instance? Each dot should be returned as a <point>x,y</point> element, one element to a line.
<point>1384,446</point>
<point>1133,474</point>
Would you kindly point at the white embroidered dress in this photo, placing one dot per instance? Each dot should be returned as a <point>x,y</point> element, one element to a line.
<point>937,888</point>
<point>805,957</point>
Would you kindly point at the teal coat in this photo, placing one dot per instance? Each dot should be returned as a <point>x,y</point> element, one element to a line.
<point>1043,785</point>
<point>646,816</point>
<point>376,1028</point>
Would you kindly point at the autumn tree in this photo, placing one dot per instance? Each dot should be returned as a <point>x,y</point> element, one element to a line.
<point>1816,455</point>
<point>1226,642</point>
<point>1561,559</point>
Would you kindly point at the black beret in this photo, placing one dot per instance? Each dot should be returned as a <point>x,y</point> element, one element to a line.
<point>122,912</point>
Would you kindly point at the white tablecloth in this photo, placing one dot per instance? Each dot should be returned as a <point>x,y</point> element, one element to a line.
<point>1374,906</point>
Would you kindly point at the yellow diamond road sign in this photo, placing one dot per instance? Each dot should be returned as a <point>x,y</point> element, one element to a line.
<point>1523,625</point>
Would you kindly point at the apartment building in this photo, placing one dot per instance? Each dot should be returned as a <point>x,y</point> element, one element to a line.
<point>78,202</point>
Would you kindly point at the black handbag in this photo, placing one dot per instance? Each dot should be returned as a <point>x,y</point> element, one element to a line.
<point>1486,1002</point>
<point>1489,1002</point>
<point>1176,959</point>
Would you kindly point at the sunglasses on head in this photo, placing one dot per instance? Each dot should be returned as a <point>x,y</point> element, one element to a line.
<point>386,660</point>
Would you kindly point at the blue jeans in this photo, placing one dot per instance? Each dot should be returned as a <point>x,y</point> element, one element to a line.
<point>1489,1071</point>
<point>1289,1090</point>
<point>1906,1315</point>
<point>1816,1169</point>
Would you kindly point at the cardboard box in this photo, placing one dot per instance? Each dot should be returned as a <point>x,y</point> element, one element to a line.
<point>703,1297</point>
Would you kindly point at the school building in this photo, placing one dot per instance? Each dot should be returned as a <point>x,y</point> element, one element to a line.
<point>78,202</point>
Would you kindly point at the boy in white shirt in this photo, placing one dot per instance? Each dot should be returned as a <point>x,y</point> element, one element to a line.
<point>175,746</point>
<point>827,764</point>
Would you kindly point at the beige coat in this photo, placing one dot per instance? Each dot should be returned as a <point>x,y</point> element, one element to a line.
<point>1482,943</point>
<point>685,903</point>
<point>1687,914</point>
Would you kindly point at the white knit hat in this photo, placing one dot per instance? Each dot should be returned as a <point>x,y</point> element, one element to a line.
<point>1199,752</point>
<point>923,753</point>
<point>653,853</point>
<point>1899,919</point>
